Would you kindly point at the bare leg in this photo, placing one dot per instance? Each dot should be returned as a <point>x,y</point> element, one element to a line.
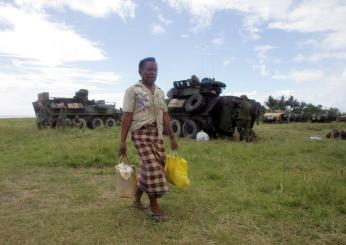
<point>137,201</point>
<point>154,206</point>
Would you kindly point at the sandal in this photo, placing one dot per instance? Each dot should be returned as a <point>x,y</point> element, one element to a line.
<point>156,217</point>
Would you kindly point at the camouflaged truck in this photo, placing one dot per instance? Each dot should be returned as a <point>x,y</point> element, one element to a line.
<point>275,116</point>
<point>78,111</point>
<point>195,105</point>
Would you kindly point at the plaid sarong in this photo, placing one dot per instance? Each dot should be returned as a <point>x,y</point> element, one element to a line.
<point>152,153</point>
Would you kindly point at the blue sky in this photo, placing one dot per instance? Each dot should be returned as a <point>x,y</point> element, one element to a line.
<point>260,48</point>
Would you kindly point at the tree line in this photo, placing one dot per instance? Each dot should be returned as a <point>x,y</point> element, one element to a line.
<point>294,106</point>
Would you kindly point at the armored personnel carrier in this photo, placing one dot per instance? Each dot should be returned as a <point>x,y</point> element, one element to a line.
<point>78,111</point>
<point>298,117</point>
<point>195,105</point>
<point>321,118</point>
<point>276,116</point>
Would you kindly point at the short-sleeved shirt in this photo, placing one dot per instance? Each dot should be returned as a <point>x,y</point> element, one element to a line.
<point>147,107</point>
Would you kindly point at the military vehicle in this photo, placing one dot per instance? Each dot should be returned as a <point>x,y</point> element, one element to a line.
<point>275,116</point>
<point>298,117</point>
<point>78,111</point>
<point>321,117</point>
<point>341,118</point>
<point>195,105</point>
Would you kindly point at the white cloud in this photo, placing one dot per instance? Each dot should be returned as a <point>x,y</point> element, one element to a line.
<point>306,75</point>
<point>96,8</point>
<point>217,41</point>
<point>262,54</point>
<point>262,68</point>
<point>256,12</point>
<point>227,61</point>
<point>157,29</point>
<point>320,56</point>
<point>327,17</point>
<point>330,92</point>
<point>312,43</point>
<point>303,75</point>
<point>262,51</point>
<point>32,36</point>
<point>39,55</point>
<point>299,57</point>
<point>279,76</point>
<point>160,16</point>
<point>184,36</point>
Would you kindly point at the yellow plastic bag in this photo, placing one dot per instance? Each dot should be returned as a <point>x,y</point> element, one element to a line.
<point>125,179</point>
<point>176,170</point>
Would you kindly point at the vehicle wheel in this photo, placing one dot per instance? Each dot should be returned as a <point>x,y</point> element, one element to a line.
<point>190,129</point>
<point>67,122</point>
<point>194,103</point>
<point>96,123</point>
<point>176,127</point>
<point>110,122</point>
<point>80,123</point>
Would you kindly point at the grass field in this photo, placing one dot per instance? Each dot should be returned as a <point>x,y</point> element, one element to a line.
<point>57,187</point>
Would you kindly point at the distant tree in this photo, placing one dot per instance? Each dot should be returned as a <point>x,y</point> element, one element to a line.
<point>282,103</point>
<point>295,106</point>
<point>271,103</point>
<point>311,109</point>
<point>333,112</point>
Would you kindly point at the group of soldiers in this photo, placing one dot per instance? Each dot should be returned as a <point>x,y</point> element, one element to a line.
<point>336,134</point>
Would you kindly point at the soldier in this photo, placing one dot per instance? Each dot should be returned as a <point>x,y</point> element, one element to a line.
<point>244,117</point>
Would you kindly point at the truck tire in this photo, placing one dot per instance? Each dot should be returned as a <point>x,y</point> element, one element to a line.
<point>96,123</point>
<point>110,122</point>
<point>190,129</point>
<point>176,127</point>
<point>194,103</point>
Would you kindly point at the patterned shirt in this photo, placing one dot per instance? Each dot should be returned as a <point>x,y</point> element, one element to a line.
<point>147,107</point>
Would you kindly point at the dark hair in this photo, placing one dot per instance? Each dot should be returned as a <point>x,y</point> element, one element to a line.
<point>142,62</point>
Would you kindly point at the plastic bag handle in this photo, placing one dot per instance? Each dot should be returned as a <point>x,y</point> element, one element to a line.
<point>123,157</point>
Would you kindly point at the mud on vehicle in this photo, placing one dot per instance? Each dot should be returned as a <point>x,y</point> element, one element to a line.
<point>195,105</point>
<point>77,111</point>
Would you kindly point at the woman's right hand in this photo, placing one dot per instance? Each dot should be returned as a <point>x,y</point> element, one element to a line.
<point>122,149</point>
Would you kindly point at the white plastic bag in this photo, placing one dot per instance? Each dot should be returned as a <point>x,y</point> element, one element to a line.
<point>202,136</point>
<point>125,179</point>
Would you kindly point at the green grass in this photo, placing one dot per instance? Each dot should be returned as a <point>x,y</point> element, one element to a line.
<point>57,187</point>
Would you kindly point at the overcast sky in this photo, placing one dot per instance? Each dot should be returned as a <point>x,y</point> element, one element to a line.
<point>257,47</point>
